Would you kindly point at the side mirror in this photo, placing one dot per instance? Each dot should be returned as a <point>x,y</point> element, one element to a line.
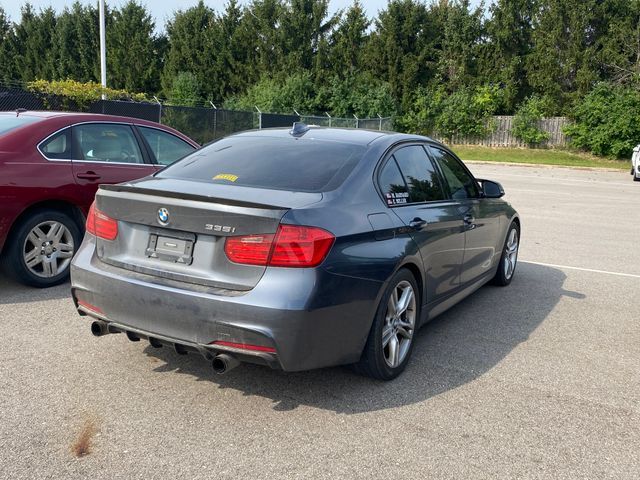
<point>491,189</point>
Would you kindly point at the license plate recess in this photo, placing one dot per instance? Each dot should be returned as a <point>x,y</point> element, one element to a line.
<point>176,247</point>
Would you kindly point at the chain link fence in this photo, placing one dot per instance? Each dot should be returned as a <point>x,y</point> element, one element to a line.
<point>203,124</point>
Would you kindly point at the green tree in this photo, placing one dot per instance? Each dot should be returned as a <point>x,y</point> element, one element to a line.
<point>348,41</point>
<point>463,31</point>
<point>296,91</point>
<point>358,94</point>
<point>526,122</point>
<point>607,121</point>
<point>402,49</point>
<point>619,51</point>
<point>191,48</point>
<point>467,112</point>
<point>305,26</point>
<point>134,52</point>
<point>261,35</point>
<point>34,44</point>
<point>563,61</point>
<point>77,43</point>
<point>509,43</point>
<point>185,90</point>
<point>7,64</point>
<point>233,59</point>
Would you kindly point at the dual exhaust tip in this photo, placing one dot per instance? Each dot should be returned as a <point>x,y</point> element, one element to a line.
<point>221,363</point>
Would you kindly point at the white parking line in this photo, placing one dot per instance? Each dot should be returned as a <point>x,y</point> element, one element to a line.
<point>619,274</point>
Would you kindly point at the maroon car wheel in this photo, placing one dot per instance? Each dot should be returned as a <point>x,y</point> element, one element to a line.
<point>40,250</point>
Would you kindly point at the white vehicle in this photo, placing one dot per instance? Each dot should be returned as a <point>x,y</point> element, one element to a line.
<point>635,163</point>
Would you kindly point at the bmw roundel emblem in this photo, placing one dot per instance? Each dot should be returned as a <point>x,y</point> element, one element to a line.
<point>163,216</point>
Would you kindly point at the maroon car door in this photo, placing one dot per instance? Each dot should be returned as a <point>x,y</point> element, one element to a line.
<point>106,153</point>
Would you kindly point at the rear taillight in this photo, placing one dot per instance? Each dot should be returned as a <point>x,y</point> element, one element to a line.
<point>249,249</point>
<point>101,225</point>
<point>291,246</point>
<point>300,246</point>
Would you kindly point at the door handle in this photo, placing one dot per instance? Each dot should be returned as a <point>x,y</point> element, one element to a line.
<point>417,223</point>
<point>88,175</point>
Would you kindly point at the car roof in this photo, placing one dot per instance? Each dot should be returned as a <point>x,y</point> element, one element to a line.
<point>354,136</point>
<point>61,119</point>
<point>45,114</point>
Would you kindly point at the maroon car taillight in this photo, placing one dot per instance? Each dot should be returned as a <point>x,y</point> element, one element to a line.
<point>291,246</point>
<point>101,225</point>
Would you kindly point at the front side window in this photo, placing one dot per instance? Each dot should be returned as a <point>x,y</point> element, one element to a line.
<point>104,142</point>
<point>166,148</point>
<point>58,147</point>
<point>461,184</point>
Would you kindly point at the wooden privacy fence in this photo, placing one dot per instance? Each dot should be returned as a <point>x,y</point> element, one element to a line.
<point>502,136</point>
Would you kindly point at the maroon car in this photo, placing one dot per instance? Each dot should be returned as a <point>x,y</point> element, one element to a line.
<point>51,164</point>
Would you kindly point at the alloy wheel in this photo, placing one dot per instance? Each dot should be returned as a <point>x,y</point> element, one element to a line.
<point>399,325</point>
<point>511,254</point>
<point>48,249</point>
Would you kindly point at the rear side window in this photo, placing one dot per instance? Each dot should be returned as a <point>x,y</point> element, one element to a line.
<point>57,147</point>
<point>392,184</point>
<point>166,148</point>
<point>419,173</point>
<point>11,122</point>
<point>304,165</point>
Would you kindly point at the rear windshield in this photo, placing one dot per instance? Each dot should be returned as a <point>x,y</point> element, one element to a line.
<point>302,165</point>
<point>11,122</point>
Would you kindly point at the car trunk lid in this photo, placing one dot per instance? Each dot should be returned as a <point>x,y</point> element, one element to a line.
<point>176,229</point>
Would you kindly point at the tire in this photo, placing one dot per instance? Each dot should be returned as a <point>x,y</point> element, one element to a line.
<point>509,257</point>
<point>377,359</point>
<point>38,252</point>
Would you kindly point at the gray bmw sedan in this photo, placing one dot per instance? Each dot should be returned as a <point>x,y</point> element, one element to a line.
<point>294,248</point>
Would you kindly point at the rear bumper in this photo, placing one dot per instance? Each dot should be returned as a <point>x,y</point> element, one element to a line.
<point>312,318</point>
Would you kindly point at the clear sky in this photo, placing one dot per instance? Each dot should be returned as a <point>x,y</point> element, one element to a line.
<point>162,9</point>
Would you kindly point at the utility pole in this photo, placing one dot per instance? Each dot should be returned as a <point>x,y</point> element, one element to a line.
<point>103,50</point>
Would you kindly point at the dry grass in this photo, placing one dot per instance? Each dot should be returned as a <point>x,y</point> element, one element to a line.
<point>84,440</point>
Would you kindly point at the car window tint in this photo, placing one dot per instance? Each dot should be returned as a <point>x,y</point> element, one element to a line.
<point>104,142</point>
<point>418,171</point>
<point>166,148</point>
<point>392,184</point>
<point>283,163</point>
<point>10,122</point>
<point>58,147</point>
<point>461,184</point>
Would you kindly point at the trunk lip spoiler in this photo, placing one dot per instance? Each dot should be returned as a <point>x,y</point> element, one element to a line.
<point>190,196</point>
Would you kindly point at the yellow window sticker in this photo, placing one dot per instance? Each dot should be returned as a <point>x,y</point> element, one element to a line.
<point>226,176</point>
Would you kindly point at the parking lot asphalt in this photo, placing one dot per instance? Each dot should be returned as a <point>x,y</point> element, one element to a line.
<point>537,380</point>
